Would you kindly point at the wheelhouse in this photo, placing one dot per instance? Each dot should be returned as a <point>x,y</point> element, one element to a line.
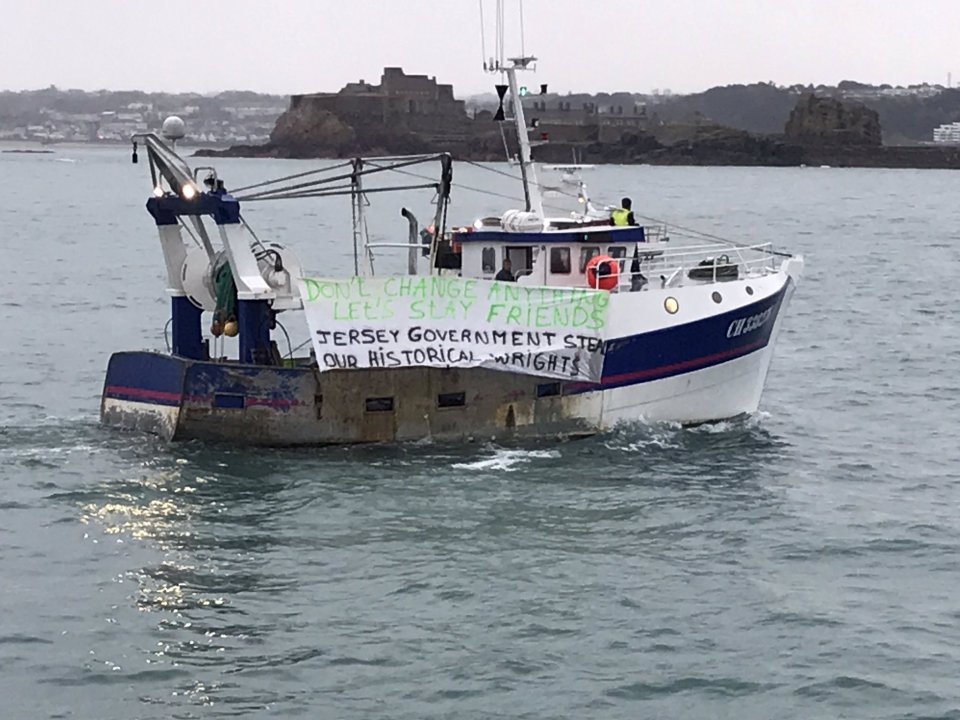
<point>556,257</point>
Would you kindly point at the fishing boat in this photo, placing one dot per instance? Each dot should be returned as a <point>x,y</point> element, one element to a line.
<point>598,321</point>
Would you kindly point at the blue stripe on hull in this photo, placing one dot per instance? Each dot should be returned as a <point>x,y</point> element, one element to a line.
<point>145,377</point>
<point>159,379</point>
<point>686,348</point>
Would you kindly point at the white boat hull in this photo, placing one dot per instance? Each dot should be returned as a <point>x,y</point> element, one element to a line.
<point>717,392</point>
<point>720,392</point>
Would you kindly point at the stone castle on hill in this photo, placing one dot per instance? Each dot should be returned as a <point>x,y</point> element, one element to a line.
<point>415,113</point>
<point>398,95</point>
<point>419,102</point>
<point>405,102</point>
<point>403,114</point>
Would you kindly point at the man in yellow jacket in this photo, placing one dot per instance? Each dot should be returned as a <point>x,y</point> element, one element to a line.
<point>623,215</point>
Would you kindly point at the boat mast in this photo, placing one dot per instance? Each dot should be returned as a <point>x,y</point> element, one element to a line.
<point>528,170</point>
<point>509,67</point>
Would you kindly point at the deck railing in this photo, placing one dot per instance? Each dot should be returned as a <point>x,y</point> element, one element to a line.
<point>661,266</point>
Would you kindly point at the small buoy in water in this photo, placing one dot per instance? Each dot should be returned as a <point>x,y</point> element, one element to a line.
<point>230,328</point>
<point>216,328</point>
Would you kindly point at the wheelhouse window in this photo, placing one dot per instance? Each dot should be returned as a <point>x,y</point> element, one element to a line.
<point>585,254</point>
<point>618,252</point>
<point>560,260</point>
<point>488,258</point>
<point>521,258</point>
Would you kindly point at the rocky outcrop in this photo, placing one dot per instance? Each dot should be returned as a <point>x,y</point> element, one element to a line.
<point>308,130</point>
<point>817,120</point>
<point>725,146</point>
<point>311,132</point>
<point>300,132</point>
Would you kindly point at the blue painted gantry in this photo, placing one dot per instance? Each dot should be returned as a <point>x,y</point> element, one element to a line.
<point>254,317</point>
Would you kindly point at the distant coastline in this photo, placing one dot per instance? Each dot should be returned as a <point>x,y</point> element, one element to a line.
<point>404,113</point>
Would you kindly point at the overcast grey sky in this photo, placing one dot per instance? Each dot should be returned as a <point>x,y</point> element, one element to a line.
<point>291,46</point>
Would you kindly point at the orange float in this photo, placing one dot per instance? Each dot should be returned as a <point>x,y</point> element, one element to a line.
<point>603,272</point>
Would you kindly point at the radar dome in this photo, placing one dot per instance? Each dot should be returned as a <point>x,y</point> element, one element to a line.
<point>173,128</point>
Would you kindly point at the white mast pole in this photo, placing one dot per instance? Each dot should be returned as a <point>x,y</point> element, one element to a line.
<point>530,180</point>
<point>528,171</point>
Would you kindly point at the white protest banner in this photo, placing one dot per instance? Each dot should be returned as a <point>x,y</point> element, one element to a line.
<point>446,321</point>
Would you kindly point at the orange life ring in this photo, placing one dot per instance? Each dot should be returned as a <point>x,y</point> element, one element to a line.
<point>603,272</point>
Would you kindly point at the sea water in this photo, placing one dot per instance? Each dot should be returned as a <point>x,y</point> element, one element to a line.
<point>802,563</point>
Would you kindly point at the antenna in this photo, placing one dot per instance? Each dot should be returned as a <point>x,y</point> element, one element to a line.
<point>508,67</point>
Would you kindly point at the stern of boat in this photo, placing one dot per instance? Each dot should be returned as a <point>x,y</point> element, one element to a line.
<point>143,391</point>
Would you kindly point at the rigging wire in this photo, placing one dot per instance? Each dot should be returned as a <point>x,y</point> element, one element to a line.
<point>503,30</point>
<point>522,52</point>
<point>305,342</point>
<point>495,171</point>
<point>700,234</point>
<point>287,335</point>
<point>289,177</point>
<point>496,33</point>
<point>482,191</point>
<point>500,43</point>
<point>288,190</point>
<point>691,232</point>
<point>541,185</point>
<point>190,232</point>
<point>331,192</point>
<point>483,39</point>
<point>305,191</point>
<point>263,248</point>
<point>308,189</point>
